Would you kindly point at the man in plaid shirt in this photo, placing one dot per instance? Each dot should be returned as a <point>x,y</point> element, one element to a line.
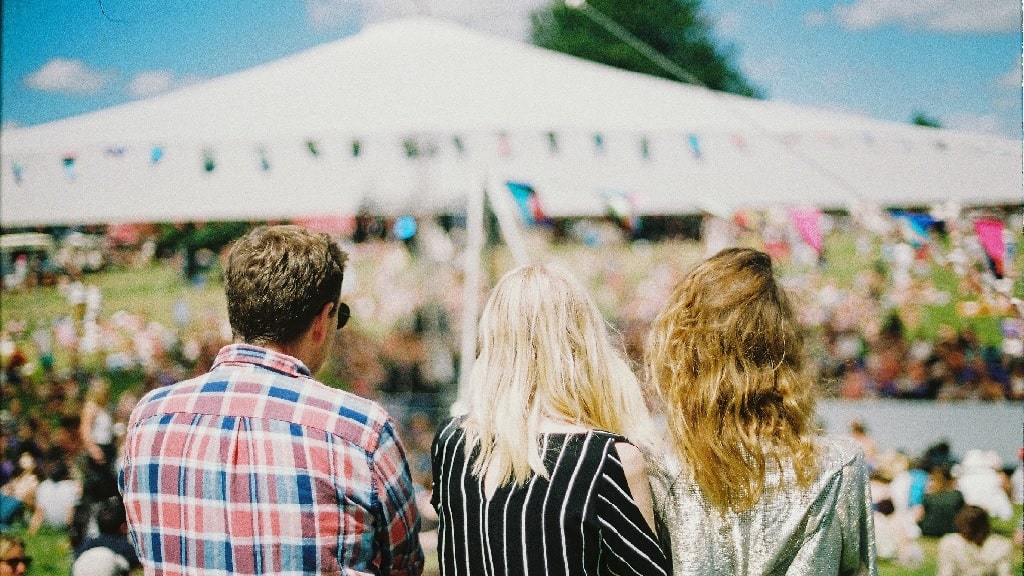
<point>257,468</point>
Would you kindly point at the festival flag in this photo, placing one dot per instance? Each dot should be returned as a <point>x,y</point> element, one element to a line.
<point>990,234</point>
<point>621,207</point>
<point>69,166</point>
<point>553,143</point>
<point>528,202</point>
<point>914,227</point>
<point>264,158</point>
<point>694,146</point>
<point>504,146</point>
<point>739,142</point>
<point>209,161</point>
<point>645,148</point>
<point>411,147</point>
<point>808,224</point>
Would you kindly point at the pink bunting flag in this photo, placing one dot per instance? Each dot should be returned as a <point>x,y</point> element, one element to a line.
<point>504,146</point>
<point>990,234</point>
<point>808,223</point>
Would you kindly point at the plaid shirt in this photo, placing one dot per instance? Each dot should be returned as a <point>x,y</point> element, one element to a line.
<point>257,468</point>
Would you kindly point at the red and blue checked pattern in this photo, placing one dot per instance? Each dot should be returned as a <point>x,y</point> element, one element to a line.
<point>257,468</point>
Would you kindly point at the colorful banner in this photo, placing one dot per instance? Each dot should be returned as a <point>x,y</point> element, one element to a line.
<point>914,227</point>
<point>621,207</point>
<point>528,202</point>
<point>808,224</point>
<point>695,146</point>
<point>209,160</point>
<point>990,234</point>
<point>69,166</point>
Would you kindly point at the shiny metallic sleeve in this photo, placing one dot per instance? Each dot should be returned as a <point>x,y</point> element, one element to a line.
<point>819,530</point>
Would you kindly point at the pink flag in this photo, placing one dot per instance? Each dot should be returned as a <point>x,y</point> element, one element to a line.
<point>990,233</point>
<point>808,223</point>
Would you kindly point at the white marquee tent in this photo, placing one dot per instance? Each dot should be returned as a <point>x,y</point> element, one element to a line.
<point>411,116</point>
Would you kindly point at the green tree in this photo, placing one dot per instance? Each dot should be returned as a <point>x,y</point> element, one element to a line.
<point>922,119</point>
<point>676,30</point>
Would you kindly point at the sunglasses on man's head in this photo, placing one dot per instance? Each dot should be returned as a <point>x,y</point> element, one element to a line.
<point>344,313</point>
<point>14,562</point>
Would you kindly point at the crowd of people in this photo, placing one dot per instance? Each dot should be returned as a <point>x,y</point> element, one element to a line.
<point>62,428</point>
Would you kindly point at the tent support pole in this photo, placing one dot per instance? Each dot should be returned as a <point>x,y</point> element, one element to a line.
<point>470,293</point>
<point>501,203</point>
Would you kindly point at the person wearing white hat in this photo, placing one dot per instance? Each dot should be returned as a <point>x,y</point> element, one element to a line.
<point>100,562</point>
<point>983,485</point>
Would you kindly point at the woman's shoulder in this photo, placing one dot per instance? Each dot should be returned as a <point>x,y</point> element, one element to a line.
<point>839,455</point>
<point>450,427</point>
<point>597,447</point>
<point>604,435</point>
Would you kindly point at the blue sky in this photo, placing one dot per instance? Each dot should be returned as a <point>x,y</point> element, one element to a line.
<point>958,61</point>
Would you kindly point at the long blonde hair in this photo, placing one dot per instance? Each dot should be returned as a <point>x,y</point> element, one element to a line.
<point>545,352</point>
<point>726,354</point>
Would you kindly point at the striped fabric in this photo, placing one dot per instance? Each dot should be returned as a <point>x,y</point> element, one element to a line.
<point>582,520</point>
<point>257,468</point>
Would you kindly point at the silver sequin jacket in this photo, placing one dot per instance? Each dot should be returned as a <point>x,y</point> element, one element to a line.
<point>825,529</point>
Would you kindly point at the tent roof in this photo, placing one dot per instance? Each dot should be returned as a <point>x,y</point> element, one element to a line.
<point>436,109</point>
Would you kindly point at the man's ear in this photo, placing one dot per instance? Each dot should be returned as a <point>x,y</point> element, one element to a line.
<point>322,323</point>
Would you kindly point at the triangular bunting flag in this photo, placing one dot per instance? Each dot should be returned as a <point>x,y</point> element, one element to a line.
<point>528,202</point>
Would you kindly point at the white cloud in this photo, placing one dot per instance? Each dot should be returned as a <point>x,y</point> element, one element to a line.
<point>327,14</point>
<point>68,76</point>
<point>816,18</point>
<point>763,67</point>
<point>150,83</point>
<point>961,16</point>
<point>728,23</point>
<point>984,123</point>
<point>1011,78</point>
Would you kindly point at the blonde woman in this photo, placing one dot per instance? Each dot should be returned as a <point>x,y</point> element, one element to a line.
<point>96,430</point>
<point>748,487</point>
<point>544,474</point>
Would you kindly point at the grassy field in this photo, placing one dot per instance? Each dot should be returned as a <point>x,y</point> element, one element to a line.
<point>151,291</point>
<point>52,557</point>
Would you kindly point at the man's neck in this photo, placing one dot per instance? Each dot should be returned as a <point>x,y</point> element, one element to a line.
<point>300,349</point>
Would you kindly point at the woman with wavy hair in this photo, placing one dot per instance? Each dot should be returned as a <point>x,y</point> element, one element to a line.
<point>543,475</point>
<point>748,485</point>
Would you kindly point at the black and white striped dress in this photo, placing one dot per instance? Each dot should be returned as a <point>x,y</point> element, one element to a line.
<point>582,520</point>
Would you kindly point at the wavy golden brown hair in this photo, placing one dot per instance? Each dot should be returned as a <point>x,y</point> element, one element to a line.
<point>726,354</point>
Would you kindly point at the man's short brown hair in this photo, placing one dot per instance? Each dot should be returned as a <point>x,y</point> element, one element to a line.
<point>277,280</point>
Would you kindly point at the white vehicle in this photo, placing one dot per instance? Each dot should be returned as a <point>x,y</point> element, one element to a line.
<point>27,253</point>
